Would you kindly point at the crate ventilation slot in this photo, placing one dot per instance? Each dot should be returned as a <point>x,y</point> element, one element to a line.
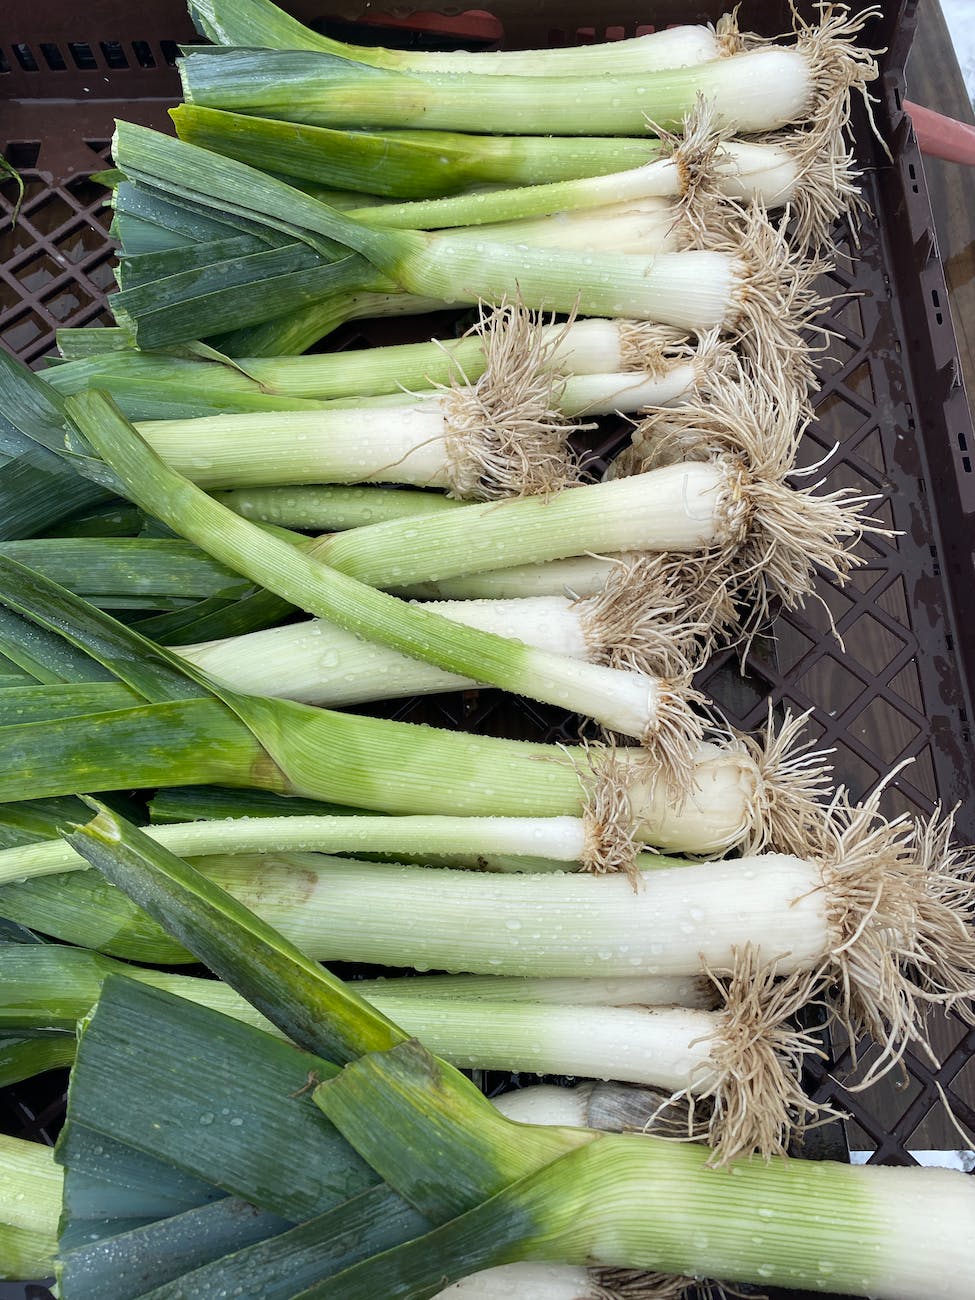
<point>47,57</point>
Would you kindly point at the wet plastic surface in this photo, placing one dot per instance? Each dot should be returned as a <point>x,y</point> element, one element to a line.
<point>898,685</point>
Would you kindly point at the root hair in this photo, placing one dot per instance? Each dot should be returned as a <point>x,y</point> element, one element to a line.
<point>772,535</point>
<point>901,908</point>
<point>642,619</point>
<point>826,188</point>
<point>610,828</point>
<point>789,807</point>
<point>634,1284</point>
<point>652,348</point>
<point>726,29</point>
<point>774,295</point>
<point>672,740</point>
<point>705,214</point>
<point>505,433</point>
<point>757,1058</point>
<point>838,68</point>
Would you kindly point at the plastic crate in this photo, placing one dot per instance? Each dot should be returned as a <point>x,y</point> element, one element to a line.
<point>892,403</point>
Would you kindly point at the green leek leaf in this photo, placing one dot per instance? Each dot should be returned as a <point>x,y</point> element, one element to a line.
<point>301,998</point>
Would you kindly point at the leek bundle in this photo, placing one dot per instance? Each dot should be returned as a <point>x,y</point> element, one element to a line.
<point>737,792</point>
<point>748,281</point>
<point>790,169</point>
<point>630,702</point>
<point>502,436</point>
<point>832,913</point>
<point>758,90</point>
<point>645,617</point>
<point>498,1192</point>
<point>734,505</point>
<point>744,1057</point>
<point>729,497</point>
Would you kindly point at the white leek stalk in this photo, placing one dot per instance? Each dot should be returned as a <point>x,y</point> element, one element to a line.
<point>730,284</point>
<point>669,1047</point>
<point>30,1208</point>
<point>519,1281</point>
<point>317,663</point>
<point>636,621</point>
<point>607,1106</point>
<point>442,442</point>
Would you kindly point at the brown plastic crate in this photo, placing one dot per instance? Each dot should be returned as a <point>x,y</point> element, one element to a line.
<point>891,401</point>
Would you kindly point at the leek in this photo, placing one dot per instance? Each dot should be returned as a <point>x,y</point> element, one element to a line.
<point>260,23</point>
<point>734,502</point>
<point>317,663</point>
<point>758,90</point>
<point>569,841</point>
<point>472,446</point>
<point>741,1053</point>
<point>741,792</point>
<point>30,1207</point>
<point>736,795</point>
<point>502,1192</point>
<point>603,1205</point>
<point>750,280</point>
<point>580,576</point>
<point>627,702</point>
<point>500,435</point>
<point>405,164</point>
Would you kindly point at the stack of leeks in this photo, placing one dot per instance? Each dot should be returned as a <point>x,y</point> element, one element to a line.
<point>652,969</point>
